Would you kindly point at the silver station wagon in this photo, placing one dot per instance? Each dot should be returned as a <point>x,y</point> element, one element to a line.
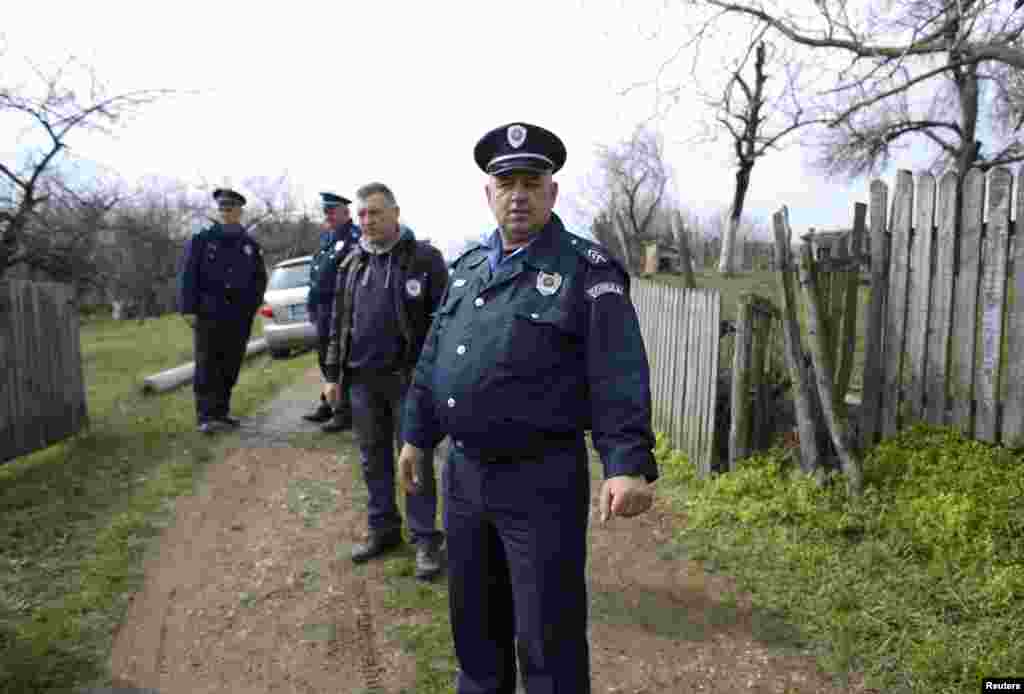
<point>285,323</point>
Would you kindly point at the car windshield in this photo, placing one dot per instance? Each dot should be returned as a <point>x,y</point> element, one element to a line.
<point>289,277</point>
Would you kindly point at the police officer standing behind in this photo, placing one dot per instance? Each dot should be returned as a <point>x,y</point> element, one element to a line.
<point>387,290</point>
<point>337,239</point>
<point>220,286</point>
<point>535,341</point>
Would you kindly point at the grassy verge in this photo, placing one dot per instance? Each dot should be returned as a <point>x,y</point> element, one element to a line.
<point>78,516</point>
<point>919,583</point>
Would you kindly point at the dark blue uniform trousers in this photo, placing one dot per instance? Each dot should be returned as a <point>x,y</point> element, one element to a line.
<point>219,346</point>
<point>376,417</point>
<point>517,549</point>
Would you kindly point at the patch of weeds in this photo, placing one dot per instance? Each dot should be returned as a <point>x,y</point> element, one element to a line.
<point>310,498</point>
<point>311,576</point>
<point>246,600</point>
<point>431,646</point>
<point>648,610</point>
<point>320,632</point>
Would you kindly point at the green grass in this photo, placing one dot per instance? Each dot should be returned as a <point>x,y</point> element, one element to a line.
<point>919,583</point>
<point>79,516</point>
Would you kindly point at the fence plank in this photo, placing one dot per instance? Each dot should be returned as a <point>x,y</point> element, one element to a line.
<point>965,312</point>
<point>919,299</point>
<point>1013,408</point>
<point>896,313</point>
<point>993,303</point>
<point>851,309</point>
<point>835,310</point>
<point>874,321</point>
<point>698,421</point>
<point>682,362</point>
<point>941,310</point>
<point>742,368</point>
<point>713,327</point>
<point>673,348</point>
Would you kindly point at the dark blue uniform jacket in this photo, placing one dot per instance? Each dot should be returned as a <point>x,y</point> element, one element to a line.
<point>221,275</point>
<point>544,347</point>
<point>335,244</point>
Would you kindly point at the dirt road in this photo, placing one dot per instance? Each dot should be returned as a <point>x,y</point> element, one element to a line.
<point>252,591</point>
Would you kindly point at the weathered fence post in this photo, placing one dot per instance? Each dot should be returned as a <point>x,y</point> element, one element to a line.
<point>753,334</point>
<point>871,402</point>
<point>810,461</point>
<point>852,307</point>
<point>825,375</point>
<point>686,262</point>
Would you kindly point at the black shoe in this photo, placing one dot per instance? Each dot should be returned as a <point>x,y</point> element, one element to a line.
<point>428,560</point>
<point>340,421</point>
<point>211,426</point>
<point>376,544</point>
<point>230,421</point>
<point>322,413</point>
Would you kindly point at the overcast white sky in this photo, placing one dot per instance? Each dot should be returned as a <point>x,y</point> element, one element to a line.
<point>340,94</point>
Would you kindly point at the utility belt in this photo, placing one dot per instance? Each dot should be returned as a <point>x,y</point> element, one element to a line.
<point>535,446</point>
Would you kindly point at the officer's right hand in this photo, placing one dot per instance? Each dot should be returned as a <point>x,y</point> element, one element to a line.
<point>410,460</point>
<point>190,319</point>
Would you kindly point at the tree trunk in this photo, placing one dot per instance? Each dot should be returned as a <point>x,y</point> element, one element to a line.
<point>685,262</point>
<point>727,261</point>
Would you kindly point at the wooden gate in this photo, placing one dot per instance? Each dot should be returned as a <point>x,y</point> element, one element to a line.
<point>42,392</point>
<point>681,330</point>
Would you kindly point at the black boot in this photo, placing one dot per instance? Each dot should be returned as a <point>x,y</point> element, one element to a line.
<point>322,413</point>
<point>341,420</point>
<point>377,543</point>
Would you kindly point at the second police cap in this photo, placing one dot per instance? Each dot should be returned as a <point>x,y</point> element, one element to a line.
<point>332,200</point>
<point>228,197</point>
<point>519,147</point>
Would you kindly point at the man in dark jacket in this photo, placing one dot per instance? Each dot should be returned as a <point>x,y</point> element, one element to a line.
<point>387,290</point>
<point>337,239</point>
<point>221,281</point>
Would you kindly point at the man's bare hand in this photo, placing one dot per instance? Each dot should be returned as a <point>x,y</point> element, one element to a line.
<point>332,391</point>
<point>410,462</point>
<point>625,496</point>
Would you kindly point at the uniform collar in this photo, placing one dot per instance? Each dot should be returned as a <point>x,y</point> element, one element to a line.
<point>541,252</point>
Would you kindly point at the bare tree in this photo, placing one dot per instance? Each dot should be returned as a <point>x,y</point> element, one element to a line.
<point>941,70</point>
<point>625,193</point>
<point>62,106</point>
<point>757,120</point>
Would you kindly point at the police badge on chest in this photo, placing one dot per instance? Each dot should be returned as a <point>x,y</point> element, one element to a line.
<point>548,283</point>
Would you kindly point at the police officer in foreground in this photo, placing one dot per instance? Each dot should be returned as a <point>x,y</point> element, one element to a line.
<point>387,290</point>
<point>336,240</point>
<point>221,282</point>
<point>535,341</point>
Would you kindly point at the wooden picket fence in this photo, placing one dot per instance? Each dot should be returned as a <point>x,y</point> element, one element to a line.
<point>946,326</point>
<point>681,330</point>
<point>42,392</point>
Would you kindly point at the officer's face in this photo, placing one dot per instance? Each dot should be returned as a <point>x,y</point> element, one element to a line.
<point>521,202</point>
<point>378,219</point>
<point>230,214</point>
<point>337,215</point>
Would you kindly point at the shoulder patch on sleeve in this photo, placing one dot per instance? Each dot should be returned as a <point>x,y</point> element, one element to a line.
<point>602,288</point>
<point>595,254</point>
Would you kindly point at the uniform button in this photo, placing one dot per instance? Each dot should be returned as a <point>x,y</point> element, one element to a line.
<point>451,402</point>
<point>461,349</point>
<point>479,302</point>
<point>534,316</point>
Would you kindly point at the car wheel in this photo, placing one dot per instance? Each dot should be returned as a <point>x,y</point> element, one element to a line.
<point>280,353</point>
